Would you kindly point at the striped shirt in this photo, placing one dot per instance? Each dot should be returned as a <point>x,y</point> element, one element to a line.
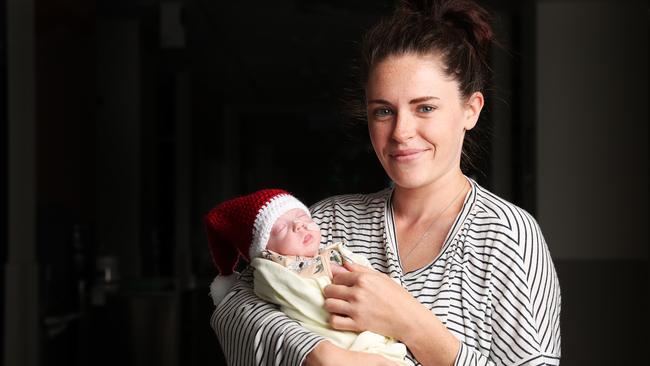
<point>493,285</point>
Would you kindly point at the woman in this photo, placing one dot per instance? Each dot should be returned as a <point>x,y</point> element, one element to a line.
<point>477,282</point>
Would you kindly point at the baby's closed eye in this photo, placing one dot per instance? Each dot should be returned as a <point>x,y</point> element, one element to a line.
<point>278,228</point>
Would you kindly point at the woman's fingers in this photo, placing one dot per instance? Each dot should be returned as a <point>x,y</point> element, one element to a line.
<point>353,267</point>
<point>338,292</point>
<point>337,303</point>
<point>341,322</point>
<point>337,306</point>
<point>353,278</point>
<point>358,301</point>
<point>336,269</point>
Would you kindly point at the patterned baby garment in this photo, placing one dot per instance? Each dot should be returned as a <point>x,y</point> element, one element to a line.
<point>310,267</point>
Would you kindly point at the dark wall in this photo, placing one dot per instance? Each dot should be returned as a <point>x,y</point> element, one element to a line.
<point>592,172</point>
<point>3,165</point>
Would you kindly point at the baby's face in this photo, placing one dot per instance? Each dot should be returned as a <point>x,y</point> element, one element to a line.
<point>294,233</point>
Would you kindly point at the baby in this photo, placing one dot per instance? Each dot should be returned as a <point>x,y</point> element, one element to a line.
<point>274,232</point>
<point>293,243</point>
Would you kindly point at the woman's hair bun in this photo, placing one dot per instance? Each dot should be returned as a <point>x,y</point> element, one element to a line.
<point>457,15</point>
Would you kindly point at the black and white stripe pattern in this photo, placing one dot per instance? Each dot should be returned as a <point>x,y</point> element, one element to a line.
<point>493,285</point>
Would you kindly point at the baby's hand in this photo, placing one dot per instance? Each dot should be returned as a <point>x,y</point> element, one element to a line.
<point>336,269</point>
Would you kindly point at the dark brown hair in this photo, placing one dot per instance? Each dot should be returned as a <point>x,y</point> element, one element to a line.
<point>457,30</point>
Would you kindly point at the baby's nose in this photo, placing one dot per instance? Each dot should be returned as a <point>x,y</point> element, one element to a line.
<point>298,224</point>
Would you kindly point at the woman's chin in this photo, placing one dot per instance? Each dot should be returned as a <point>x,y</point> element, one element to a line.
<point>409,181</point>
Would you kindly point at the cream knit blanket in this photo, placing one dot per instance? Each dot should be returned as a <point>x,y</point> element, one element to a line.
<point>302,299</point>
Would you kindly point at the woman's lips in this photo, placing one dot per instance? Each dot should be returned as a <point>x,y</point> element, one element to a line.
<point>406,154</point>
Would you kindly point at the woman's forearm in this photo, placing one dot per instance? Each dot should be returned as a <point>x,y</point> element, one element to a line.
<point>326,353</point>
<point>320,353</point>
<point>430,342</point>
<point>247,329</point>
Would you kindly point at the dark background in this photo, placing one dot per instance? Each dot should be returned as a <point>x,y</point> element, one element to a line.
<point>124,121</point>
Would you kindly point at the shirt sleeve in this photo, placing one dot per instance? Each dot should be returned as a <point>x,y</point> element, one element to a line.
<point>525,303</point>
<point>254,332</point>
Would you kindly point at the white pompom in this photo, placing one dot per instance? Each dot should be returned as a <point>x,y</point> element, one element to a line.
<point>220,286</point>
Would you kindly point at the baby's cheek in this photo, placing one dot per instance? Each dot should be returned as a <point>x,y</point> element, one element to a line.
<point>275,243</point>
<point>317,235</point>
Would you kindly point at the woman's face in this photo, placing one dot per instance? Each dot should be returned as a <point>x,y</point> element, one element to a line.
<point>417,119</point>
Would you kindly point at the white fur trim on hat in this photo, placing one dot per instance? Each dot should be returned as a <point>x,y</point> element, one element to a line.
<point>220,287</point>
<point>267,216</point>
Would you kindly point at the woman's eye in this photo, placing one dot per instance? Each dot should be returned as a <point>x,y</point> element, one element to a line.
<point>426,108</point>
<point>382,112</point>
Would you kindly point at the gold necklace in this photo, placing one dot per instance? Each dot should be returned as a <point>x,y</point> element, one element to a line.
<point>426,232</point>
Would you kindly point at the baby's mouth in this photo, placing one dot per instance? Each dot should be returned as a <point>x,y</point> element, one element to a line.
<point>307,239</point>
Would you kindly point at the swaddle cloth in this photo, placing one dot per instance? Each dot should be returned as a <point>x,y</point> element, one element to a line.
<point>301,298</point>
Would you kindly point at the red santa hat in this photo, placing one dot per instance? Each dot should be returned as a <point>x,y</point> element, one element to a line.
<point>240,228</point>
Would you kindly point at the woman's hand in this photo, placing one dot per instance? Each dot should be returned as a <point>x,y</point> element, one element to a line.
<point>363,299</point>
<point>325,353</point>
<point>336,269</point>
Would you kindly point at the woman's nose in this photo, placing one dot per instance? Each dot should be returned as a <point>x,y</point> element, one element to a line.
<point>404,128</point>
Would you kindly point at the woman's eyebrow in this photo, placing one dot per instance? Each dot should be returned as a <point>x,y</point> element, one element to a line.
<point>412,101</point>
<point>422,99</point>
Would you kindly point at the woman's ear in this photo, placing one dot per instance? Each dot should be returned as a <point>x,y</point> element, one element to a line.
<point>473,107</point>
